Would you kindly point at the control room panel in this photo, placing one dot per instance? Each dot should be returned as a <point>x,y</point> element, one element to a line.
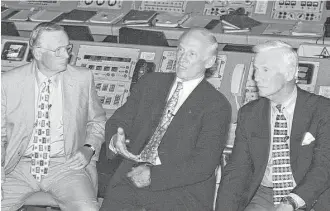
<point>303,19</point>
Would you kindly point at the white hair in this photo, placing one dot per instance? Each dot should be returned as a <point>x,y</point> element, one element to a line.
<point>289,55</point>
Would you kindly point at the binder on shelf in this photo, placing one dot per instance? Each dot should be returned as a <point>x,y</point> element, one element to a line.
<point>197,21</point>
<point>22,15</point>
<point>167,19</point>
<point>307,29</point>
<point>139,17</point>
<point>236,21</point>
<point>3,8</point>
<point>78,15</point>
<point>45,15</point>
<point>107,17</point>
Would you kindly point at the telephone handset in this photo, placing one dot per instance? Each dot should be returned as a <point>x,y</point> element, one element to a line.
<point>237,80</point>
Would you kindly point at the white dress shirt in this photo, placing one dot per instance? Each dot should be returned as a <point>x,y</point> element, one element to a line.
<point>55,114</point>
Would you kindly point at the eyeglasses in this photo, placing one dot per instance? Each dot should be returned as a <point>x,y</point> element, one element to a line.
<point>60,50</point>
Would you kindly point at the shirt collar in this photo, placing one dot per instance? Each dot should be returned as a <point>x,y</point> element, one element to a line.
<point>41,78</point>
<point>289,103</point>
<point>189,82</point>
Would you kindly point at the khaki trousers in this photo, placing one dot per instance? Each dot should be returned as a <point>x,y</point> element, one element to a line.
<point>72,189</point>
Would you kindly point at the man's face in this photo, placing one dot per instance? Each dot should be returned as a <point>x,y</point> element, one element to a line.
<point>191,54</point>
<point>268,73</point>
<point>52,41</point>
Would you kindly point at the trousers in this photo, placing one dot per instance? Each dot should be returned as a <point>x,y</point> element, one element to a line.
<point>72,189</point>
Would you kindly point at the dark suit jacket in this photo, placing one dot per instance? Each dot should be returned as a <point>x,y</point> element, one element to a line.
<point>310,163</point>
<point>192,145</point>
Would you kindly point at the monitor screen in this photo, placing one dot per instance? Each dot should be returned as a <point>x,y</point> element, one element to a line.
<point>305,73</point>
<point>142,37</point>
<point>78,33</point>
<point>9,29</point>
<point>14,51</point>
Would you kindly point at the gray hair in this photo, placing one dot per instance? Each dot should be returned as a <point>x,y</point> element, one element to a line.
<point>39,29</point>
<point>209,39</point>
<point>289,55</point>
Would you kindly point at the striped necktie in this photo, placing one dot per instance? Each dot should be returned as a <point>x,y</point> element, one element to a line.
<point>41,141</point>
<point>150,152</point>
<point>281,168</point>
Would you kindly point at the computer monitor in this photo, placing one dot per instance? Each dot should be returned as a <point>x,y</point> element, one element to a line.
<point>142,37</point>
<point>14,51</point>
<point>9,29</point>
<point>78,33</point>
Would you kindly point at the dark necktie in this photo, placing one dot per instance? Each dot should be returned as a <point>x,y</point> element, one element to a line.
<point>150,152</point>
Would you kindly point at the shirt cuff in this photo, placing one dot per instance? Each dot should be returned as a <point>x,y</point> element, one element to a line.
<point>111,146</point>
<point>299,200</point>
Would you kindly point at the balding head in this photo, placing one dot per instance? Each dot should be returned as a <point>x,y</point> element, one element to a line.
<point>196,52</point>
<point>205,36</point>
<point>35,36</point>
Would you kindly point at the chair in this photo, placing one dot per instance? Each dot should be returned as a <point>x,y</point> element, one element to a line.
<point>41,199</point>
<point>218,171</point>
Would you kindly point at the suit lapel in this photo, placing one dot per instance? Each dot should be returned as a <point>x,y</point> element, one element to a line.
<point>163,94</point>
<point>67,101</point>
<point>261,137</point>
<point>28,97</point>
<point>299,123</point>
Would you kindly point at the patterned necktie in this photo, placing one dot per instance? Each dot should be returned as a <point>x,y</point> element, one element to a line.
<point>41,141</point>
<point>150,153</point>
<point>282,174</point>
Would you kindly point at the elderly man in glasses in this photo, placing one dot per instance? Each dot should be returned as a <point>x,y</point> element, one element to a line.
<point>52,126</point>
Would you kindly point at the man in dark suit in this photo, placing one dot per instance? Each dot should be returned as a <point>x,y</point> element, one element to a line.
<point>281,155</point>
<point>177,125</point>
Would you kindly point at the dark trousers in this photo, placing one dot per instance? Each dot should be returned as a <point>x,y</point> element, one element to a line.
<point>262,200</point>
<point>126,197</point>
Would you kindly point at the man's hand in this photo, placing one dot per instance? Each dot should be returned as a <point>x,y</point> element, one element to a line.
<point>119,142</point>
<point>284,207</point>
<point>140,176</point>
<point>81,159</point>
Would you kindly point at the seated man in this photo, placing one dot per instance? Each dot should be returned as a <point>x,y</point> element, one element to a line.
<point>281,154</point>
<point>52,126</point>
<point>176,126</point>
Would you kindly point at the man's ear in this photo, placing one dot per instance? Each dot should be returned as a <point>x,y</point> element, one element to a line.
<point>291,75</point>
<point>36,52</point>
<point>210,62</point>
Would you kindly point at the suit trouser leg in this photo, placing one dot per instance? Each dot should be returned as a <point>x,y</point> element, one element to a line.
<point>72,189</point>
<point>19,185</point>
<point>262,201</point>
<point>124,196</point>
<point>121,197</point>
